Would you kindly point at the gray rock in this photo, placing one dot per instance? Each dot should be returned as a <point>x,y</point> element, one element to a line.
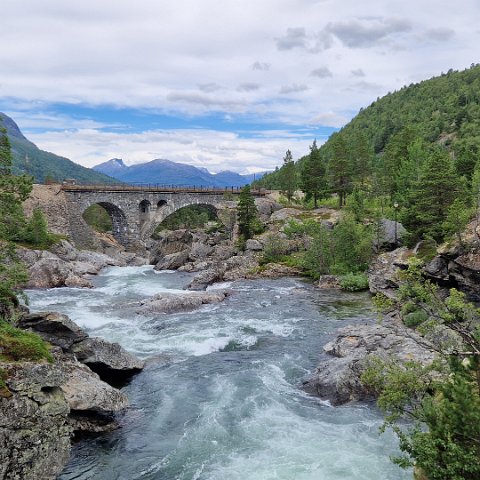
<point>388,228</point>
<point>200,251</point>
<point>240,266</point>
<point>34,431</point>
<point>383,272</point>
<point>265,207</point>
<point>338,379</point>
<point>285,214</point>
<point>207,277</point>
<point>55,328</point>
<point>51,271</point>
<point>109,360</point>
<point>86,392</point>
<point>170,303</point>
<point>253,245</point>
<point>173,261</point>
<point>223,252</point>
<point>170,241</point>
<point>328,281</point>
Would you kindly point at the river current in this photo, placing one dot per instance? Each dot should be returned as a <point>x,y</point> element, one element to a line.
<point>219,398</point>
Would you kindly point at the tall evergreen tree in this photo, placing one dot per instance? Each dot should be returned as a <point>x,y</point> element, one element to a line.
<point>340,169</point>
<point>288,178</point>
<point>13,191</point>
<point>431,196</point>
<point>247,213</point>
<point>313,175</point>
<point>362,157</point>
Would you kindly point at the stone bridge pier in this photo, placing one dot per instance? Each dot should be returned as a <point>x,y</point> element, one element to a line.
<point>136,213</point>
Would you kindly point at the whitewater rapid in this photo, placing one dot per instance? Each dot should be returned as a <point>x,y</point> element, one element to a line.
<point>219,397</point>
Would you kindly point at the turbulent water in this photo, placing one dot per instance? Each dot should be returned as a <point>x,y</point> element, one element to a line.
<point>219,398</point>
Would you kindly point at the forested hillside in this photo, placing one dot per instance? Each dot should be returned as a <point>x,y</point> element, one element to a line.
<point>42,165</point>
<point>418,148</point>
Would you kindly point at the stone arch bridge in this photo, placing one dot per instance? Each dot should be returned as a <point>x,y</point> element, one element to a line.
<point>137,211</point>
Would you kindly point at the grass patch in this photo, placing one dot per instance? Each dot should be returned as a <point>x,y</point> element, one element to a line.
<point>20,345</point>
<point>354,282</point>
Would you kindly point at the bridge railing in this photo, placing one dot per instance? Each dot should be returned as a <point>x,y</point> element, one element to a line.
<point>159,188</point>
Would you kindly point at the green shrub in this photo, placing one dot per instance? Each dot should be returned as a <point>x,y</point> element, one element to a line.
<point>354,282</point>
<point>274,249</point>
<point>409,307</point>
<point>18,345</point>
<point>414,319</point>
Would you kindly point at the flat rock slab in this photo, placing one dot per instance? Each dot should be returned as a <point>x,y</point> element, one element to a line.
<point>109,360</point>
<point>55,328</point>
<point>171,303</point>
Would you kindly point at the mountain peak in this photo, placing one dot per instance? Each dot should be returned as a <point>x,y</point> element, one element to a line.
<point>12,128</point>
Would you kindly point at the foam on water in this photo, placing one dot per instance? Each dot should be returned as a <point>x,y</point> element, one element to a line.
<point>228,405</point>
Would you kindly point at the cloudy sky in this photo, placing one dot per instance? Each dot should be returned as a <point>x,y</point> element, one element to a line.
<point>224,84</point>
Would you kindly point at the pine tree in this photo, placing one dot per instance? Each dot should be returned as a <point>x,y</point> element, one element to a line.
<point>362,155</point>
<point>313,175</point>
<point>340,169</point>
<point>13,191</point>
<point>288,179</point>
<point>247,213</point>
<point>431,196</point>
<point>36,231</point>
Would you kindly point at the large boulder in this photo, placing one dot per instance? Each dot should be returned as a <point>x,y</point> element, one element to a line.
<point>86,392</point>
<point>207,277</point>
<point>200,251</point>
<point>50,272</point>
<point>170,241</point>
<point>55,328</point>
<point>286,214</point>
<point>391,234</point>
<point>109,360</point>
<point>265,207</point>
<point>171,303</point>
<point>173,261</point>
<point>253,245</point>
<point>383,272</point>
<point>240,266</point>
<point>339,379</point>
<point>34,429</point>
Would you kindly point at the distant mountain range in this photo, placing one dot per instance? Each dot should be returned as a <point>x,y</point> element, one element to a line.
<point>166,172</point>
<point>42,165</point>
<point>28,158</point>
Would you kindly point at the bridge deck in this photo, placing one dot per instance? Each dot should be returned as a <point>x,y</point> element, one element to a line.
<point>156,188</point>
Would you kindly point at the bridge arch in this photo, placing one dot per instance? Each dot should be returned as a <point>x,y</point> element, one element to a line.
<point>118,217</point>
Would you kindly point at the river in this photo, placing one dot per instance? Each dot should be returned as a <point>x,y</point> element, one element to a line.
<point>219,397</point>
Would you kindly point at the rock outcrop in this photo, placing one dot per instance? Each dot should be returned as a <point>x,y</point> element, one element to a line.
<point>171,303</point>
<point>43,404</point>
<point>65,266</point>
<point>111,361</point>
<point>383,272</point>
<point>55,328</point>
<point>34,429</point>
<point>338,379</point>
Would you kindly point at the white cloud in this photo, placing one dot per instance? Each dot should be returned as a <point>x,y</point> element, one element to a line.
<point>203,148</point>
<point>251,58</point>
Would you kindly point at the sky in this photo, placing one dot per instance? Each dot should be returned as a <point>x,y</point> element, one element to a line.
<point>221,84</point>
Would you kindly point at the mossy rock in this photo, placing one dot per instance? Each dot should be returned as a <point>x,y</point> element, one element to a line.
<point>19,345</point>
